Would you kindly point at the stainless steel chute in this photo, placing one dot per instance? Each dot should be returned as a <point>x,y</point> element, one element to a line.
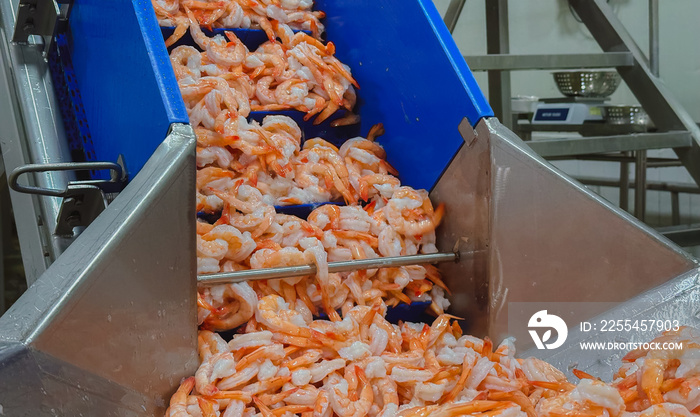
<point>112,324</point>
<point>110,328</point>
<point>677,299</point>
<point>543,236</point>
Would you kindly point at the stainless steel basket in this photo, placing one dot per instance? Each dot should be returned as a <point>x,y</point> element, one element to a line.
<point>587,83</point>
<point>626,115</point>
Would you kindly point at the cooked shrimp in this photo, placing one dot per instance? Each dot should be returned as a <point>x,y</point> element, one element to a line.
<point>274,313</point>
<point>237,303</point>
<point>226,54</point>
<point>343,405</point>
<point>178,402</point>
<point>410,212</point>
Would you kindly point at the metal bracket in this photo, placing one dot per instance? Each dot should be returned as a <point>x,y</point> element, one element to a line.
<point>42,18</point>
<point>468,133</point>
<point>82,201</point>
<point>35,17</point>
<point>81,205</point>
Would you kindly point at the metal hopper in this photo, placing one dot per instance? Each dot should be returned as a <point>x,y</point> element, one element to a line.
<point>110,327</point>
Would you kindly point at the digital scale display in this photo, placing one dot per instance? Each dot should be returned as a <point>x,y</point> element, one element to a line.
<point>573,113</point>
<point>552,115</point>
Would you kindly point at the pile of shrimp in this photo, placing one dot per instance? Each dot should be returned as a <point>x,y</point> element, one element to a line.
<point>663,379</point>
<point>251,235</point>
<point>270,158</point>
<point>237,14</point>
<point>288,364</point>
<point>245,168</point>
<point>226,80</point>
<point>356,363</point>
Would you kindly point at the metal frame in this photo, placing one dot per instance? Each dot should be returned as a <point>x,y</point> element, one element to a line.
<point>654,37</point>
<point>31,131</point>
<point>640,72</point>
<point>454,10</point>
<point>664,110</point>
<point>675,189</point>
<point>514,62</point>
<point>682,235</point>
<point>602,144</point>
<point>498,42</point>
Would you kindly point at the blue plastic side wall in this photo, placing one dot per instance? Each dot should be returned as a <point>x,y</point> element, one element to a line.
<point>125,78</point>
<point>412,78</point>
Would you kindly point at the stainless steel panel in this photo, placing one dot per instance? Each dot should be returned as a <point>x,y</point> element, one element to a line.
<point>465,189</point>
<point>515,62</point>
<point>119,303</point>
<point>546,237</point>
<point>677,299</point>
<point>554,240</point>
<point>41,385</point>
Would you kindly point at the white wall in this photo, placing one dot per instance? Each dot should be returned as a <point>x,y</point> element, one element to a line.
<point>547,26</point>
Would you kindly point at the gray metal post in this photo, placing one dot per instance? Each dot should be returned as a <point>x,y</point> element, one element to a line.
<point>5,231</point>
<point>454,10</point>
<point>625,183</point>
<point>654,37</point>
<point>675,208</point>
<point>640,185</point>
<point>497,42</point>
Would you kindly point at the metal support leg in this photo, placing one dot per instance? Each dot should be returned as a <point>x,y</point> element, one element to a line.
<point>625,183</point>
<point>454,10</point>
<point>675,208</point>
<point>497,42</point>
<point>640,186</point>
<point>654,37</point>
<point>4,225</point>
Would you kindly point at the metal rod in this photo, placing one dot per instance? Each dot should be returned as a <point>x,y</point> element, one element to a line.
<point>528,62</point>
<point>454,10</point>
<point>623,157</point>
<point>651,185</point>
<point>640,186</point>
<point>625,183</point>
<point>664,164</point>
<point>654,37</point>
<point>343,266</point>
